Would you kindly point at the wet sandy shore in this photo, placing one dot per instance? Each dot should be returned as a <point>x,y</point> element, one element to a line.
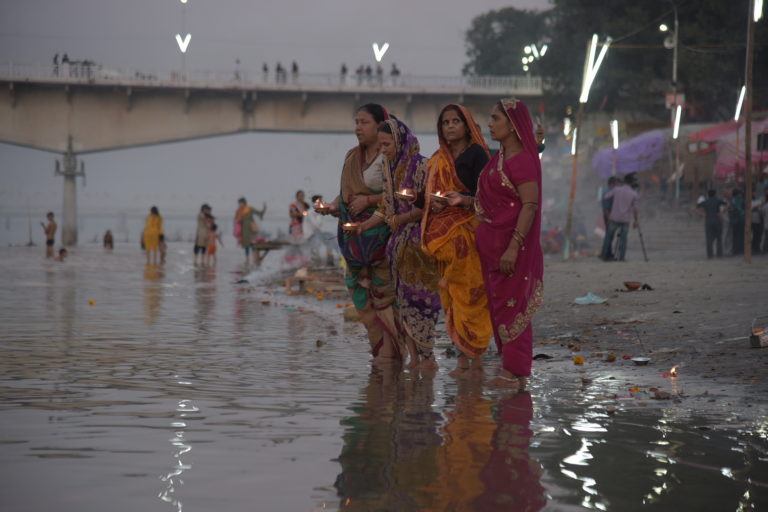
<point>179,389</point>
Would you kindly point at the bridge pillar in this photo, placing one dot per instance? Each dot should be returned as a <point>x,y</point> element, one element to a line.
<point>67,168</point>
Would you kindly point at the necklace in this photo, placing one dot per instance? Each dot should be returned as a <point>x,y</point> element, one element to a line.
<point>368,161</point>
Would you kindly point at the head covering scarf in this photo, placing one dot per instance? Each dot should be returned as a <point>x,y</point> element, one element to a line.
<point>512,299</point>
<point>443,177</point>
<point>368,276</point>
<point>414,272</point>
<point>449,236</point>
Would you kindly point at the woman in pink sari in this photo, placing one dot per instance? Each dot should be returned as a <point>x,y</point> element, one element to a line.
<point>508,240</point>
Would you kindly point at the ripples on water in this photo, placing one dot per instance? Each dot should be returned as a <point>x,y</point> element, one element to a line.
<point>180,390</point>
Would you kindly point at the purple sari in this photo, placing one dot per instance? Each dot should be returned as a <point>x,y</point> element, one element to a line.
<point>413,271</point>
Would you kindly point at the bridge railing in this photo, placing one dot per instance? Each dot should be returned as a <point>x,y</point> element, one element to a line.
<point>86,72</point>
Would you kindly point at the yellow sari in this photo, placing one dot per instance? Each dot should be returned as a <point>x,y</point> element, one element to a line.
<point>449,237</point>
<point>152,231</point>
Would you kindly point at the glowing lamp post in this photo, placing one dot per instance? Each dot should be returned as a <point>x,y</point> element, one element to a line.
<point>615,138</point>
<point>591,66</point>
<point>755,14</point>
<point>739,103</point>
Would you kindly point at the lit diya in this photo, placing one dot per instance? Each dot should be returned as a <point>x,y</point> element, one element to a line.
<point>439,196</point>
<point>321,207</point>
<point>350,226</point>
<point>406,194</point>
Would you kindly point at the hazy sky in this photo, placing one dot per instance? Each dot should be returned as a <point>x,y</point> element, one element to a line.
<point>426,38</point>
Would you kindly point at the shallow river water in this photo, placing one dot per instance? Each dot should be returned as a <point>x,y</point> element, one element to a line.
<point>178,389</point>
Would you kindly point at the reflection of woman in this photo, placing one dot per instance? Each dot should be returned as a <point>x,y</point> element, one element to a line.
<point>464,451</point>
<point>246,228</point>
<point>368,278</point>
<point>388,457</point>
<point>512,479</point>
<point>449,232</point>
<point>418,304</point>
<point>508,199</point>
<point>153,229</point>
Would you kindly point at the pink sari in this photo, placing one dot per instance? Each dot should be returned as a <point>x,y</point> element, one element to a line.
<point>512,299</point>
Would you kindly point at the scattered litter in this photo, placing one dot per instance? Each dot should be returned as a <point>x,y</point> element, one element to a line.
<point>610,358</point>
<point>319,343</point>
<point>589,298</point>
<point>578,360</point>
<point>661,395</point>
<point>758,335</point>
<point>641,361</point>
<point>541,356</point>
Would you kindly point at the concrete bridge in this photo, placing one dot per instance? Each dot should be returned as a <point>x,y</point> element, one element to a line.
<point>77,109</point>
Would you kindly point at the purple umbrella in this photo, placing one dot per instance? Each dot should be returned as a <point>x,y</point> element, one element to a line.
<point>634,155</point>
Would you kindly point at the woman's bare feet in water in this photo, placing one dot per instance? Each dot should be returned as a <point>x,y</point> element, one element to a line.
<point>382,360</point>
<point>462,365</point>
<point>508,380</point>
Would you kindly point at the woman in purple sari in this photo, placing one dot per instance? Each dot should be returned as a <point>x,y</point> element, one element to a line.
<point>508,240</point>
<point>413,271</point>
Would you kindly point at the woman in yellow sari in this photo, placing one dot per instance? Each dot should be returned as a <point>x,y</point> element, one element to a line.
<point>448,233</point>
<point>153,230</point>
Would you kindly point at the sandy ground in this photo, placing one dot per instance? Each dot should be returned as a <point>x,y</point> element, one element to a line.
<point>697,316</point>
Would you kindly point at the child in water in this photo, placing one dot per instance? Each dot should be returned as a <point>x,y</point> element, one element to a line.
<point>62,255</point>
<point>214,235</point>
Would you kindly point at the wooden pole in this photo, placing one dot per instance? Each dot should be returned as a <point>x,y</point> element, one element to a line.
<point>748,135</point>
<point>574,174</point>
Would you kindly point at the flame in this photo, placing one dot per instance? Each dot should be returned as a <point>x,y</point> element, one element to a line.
<point>673,371</point>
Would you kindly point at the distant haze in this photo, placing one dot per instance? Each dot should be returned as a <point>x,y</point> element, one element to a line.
<point>426,38</point>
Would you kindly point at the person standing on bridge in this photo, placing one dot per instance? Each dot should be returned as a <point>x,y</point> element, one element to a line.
<point>448,233</point>
<point>368,277</point>
<point>153,229</point>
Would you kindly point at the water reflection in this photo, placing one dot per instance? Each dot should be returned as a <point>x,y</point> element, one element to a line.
<point>400,454</point>
<point>153,292</point>
<point>205,297</point>
<point>173,478</point>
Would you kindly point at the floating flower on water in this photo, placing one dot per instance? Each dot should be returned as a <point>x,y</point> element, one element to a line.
<point>91,302</point>
<point>578,360</point>
<point>634,389</point>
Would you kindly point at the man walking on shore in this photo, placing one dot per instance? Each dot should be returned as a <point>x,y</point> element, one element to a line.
<point>623,209</point>
<point>712,211</point>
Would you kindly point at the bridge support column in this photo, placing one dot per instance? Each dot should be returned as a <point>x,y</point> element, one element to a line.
<point>67,167</point>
